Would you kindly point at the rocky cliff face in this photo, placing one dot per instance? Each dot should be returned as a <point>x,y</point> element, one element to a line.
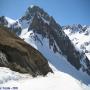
<point>38,21</point>
<point>19,56</point>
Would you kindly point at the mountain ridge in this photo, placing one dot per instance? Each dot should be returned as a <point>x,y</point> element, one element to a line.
<point>43,32</point>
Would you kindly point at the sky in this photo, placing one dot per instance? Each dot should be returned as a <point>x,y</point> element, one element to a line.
<point>65,12</point>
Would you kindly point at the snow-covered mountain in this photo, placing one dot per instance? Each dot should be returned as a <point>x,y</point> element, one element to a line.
<point>80,36</point>
<point>13,25</point>
<point>42,32</point>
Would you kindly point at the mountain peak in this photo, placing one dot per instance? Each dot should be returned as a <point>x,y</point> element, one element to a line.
<point>35,10</point>
<point>32,12</point>
<point>32,6</point>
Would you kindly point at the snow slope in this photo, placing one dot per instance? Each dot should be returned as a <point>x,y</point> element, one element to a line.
<point>7,75</point>
<point>57,60</point>
<point>81,39</point>
<point>10,21</point>
<point>57,81</point>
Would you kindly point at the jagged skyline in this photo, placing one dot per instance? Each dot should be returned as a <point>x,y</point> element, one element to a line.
<point>65,12</point>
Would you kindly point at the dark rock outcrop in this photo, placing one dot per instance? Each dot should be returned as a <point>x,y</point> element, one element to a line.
<point>3,21</point>
<point>54,33</point>
<point>49,28</point>
<point>19,56</point>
